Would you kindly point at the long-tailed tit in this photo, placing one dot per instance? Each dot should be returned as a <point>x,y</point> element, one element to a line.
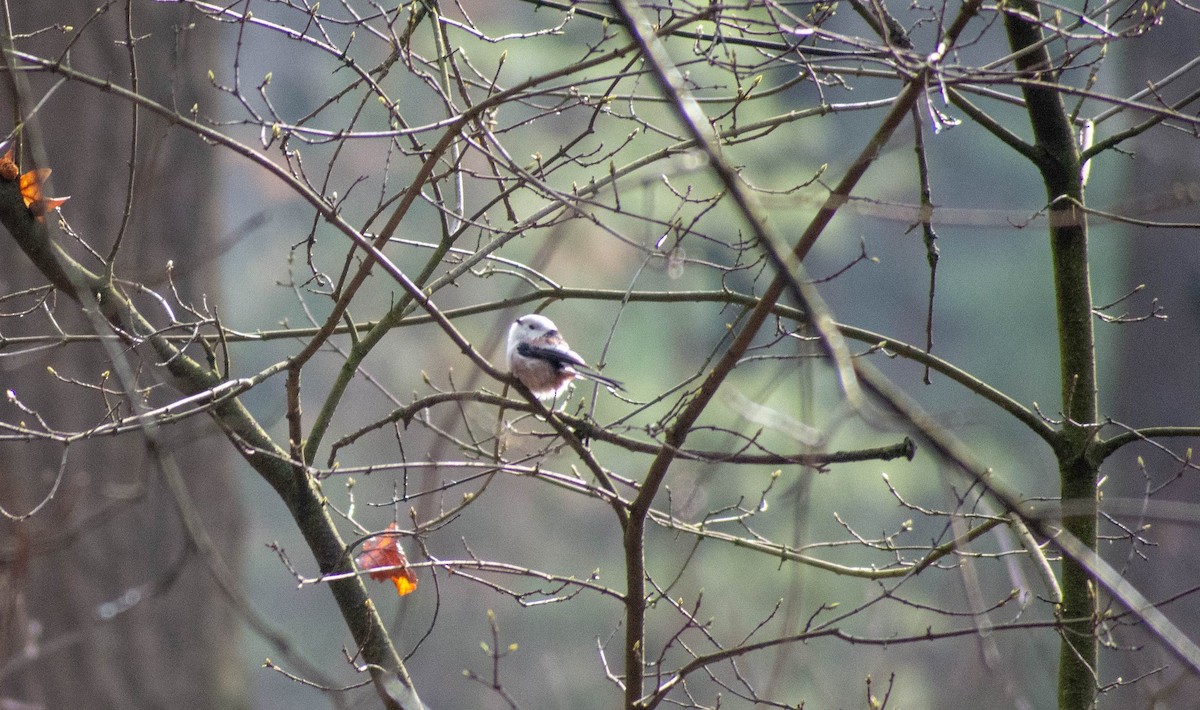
<point>539,357</point>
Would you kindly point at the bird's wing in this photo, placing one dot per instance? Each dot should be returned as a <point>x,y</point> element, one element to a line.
<point>558,357</point>
<point>565,357</point>
<point>562,358</point>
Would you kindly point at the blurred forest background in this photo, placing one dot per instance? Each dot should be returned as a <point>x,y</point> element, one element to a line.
<point>151,562</point>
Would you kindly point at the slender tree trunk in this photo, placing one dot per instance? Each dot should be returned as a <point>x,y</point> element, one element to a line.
<point>1058,162</point>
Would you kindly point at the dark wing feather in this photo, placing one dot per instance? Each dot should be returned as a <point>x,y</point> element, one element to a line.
<point>561,359</point>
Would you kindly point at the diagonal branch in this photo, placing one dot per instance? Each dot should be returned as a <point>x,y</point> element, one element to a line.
<point>301,494</point>
<point>786,266</point>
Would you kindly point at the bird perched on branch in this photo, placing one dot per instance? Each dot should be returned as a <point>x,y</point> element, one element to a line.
<point>538,356</point>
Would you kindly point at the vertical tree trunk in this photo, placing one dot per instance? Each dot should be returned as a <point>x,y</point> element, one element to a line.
<point>1058,162</point>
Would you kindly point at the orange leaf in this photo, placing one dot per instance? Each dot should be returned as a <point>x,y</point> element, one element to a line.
<point>8,168</point>
<point>31,186</point>
<point>31,191</point>
<point>382,558</point>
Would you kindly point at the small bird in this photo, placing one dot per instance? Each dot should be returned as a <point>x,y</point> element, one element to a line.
<point>539,357</point>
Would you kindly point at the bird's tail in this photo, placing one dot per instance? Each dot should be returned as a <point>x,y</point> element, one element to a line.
<point>596,377</point>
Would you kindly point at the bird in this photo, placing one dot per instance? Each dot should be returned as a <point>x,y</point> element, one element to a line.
<point>541,360</point>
